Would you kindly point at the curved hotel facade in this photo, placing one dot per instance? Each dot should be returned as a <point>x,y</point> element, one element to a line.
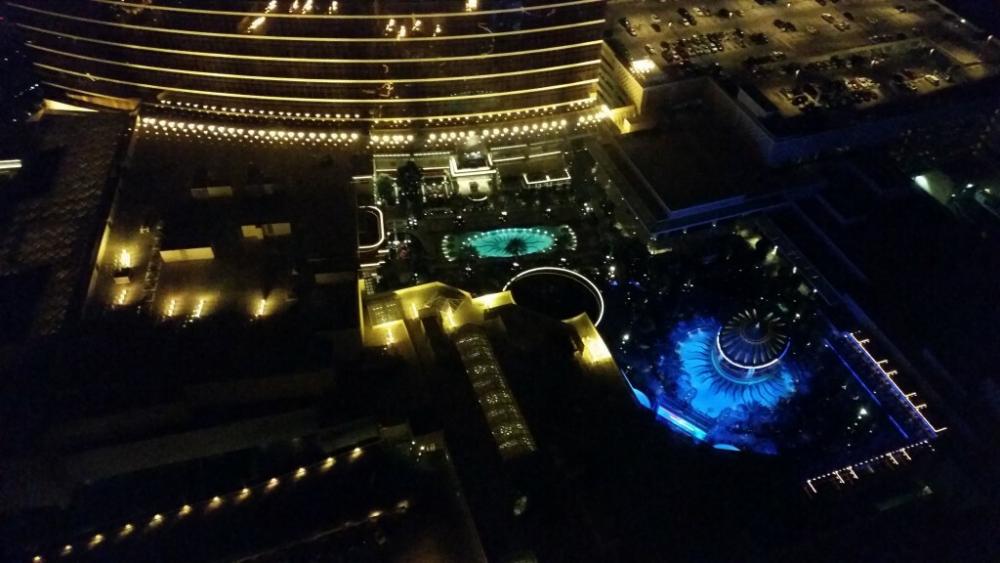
<point>378,64</point>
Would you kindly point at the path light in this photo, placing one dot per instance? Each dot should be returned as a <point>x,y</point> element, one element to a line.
<point>124,259</point>
<point>171,308</point>
<point>198,309</point>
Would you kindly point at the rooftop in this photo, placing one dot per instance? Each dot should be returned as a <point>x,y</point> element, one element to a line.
<point>390,499</point>
<point>230,229</point>
<point>808,57</point>
<point>53,214</point>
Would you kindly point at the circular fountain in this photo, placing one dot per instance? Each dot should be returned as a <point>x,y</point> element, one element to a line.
<point>749,344</point>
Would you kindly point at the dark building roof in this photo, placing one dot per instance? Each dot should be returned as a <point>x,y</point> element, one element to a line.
<point>51,219</point>
<point>387,500</point>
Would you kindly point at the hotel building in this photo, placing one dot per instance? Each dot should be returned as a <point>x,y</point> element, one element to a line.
<point>386,64</point>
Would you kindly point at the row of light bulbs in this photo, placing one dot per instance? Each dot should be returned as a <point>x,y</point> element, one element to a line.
<point>888,375</point>
<point>395,139</point>
<point>526,112</point>
<point>207,506</point>
<point>201,130</point>
<point>251,112</point>
<point>851,468</point>
<point>389,122</point>
<point>516,131</point>
<point>504,133</point>
<point>187,129</point>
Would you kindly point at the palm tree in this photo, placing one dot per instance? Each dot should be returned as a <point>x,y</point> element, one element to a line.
<point>466,254</point>
<point>409,178</point>
<point>516,246</point>
<point>386,189</point>
<point>563,241</point>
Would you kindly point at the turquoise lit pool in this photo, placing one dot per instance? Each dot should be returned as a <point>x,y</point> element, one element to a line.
<point>508,243</point>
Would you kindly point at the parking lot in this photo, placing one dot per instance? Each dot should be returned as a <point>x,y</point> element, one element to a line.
<point>868,50</point>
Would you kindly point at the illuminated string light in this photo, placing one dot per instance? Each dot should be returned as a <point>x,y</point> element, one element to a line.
<point>186,130</point>
<point>836,474</point>
<point>217,501</point>
<point>889,376</point>
<point>177,129</point>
